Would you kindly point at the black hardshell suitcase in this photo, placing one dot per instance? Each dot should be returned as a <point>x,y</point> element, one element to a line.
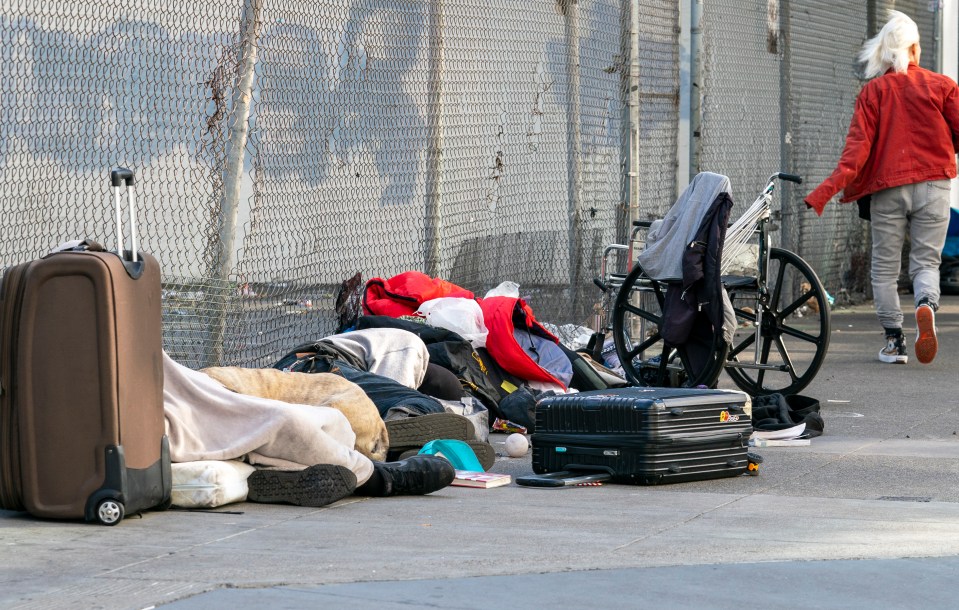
<point>644,436</point>
<point>82,432</point>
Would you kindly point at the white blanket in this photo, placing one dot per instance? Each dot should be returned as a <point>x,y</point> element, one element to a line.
<point>391,352</point>
<point>206,421</point>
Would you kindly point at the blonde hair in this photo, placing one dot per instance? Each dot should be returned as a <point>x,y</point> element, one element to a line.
<point>890,47</point>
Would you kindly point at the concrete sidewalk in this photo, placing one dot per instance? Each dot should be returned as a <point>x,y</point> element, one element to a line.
<point>867,515</point>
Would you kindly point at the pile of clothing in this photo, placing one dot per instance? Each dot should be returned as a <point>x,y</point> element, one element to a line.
<point>415,359</point>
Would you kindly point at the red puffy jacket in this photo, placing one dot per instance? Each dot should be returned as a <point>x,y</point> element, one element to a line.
<point>501,315</point>
<point>402,294</point>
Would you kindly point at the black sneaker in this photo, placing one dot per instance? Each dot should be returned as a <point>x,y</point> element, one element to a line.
<point>416,475</point>
<point>317,485</point>
<point>895,350</point>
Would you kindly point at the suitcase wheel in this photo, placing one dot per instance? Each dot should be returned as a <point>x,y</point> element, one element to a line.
<point>109,512</point>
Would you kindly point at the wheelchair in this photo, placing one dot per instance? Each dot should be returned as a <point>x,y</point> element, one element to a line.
<point>782,314</point>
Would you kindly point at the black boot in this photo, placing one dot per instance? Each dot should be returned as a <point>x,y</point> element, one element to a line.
<point>415,476</point>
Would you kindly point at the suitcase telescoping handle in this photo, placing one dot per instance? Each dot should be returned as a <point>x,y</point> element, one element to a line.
<point>118,177</point>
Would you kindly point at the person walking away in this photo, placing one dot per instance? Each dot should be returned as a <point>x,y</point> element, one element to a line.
<point>899,156</point>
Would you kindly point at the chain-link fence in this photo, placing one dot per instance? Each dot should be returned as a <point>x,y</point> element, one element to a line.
<point>658,106</point>
<point>740,97</point>
<point>280,147</point>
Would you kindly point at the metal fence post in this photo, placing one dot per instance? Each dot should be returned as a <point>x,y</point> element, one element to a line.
<point>790,237</point>
<point>233,169</point>
<point>949,59</point>
<point>632,154</point>
<point>634,111</point>
<point>685,90</point>
<point>695,97</point>
<point>434,163</point>
<point>574,152</point>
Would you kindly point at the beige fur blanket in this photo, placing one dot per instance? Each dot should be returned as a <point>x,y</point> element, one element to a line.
<point>318,390</point>
<point>206,421</point>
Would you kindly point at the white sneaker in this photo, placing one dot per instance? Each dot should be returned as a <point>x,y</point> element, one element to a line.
<point>895,350</point>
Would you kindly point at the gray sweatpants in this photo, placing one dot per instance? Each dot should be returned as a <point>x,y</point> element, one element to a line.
<point>923,210</point>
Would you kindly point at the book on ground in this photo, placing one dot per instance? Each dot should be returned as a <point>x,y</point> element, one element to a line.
<point>789,442</point>
<point>780,435</point>
<point>469,478</point>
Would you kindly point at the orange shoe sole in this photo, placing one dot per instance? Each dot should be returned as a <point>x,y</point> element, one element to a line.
<point>926,342</point>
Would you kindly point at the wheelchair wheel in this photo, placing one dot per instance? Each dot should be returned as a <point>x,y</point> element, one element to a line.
<point>794,321</point>
<point>644,356</point>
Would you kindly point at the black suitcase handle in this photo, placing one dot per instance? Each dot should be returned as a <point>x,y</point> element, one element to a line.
<point>121,175</point>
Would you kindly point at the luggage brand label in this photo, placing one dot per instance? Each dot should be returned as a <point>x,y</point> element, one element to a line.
<point>724,416</point>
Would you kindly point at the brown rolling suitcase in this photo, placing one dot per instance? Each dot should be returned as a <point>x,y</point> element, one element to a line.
<point>81,403</point>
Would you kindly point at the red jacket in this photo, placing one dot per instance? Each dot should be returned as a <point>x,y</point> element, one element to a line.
<point>501,315</point>
<point>904,130</point>
<point>401,295</point>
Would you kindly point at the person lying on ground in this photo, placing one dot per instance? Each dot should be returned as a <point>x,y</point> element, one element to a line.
<point>304,454</point>
<point>419,400</point>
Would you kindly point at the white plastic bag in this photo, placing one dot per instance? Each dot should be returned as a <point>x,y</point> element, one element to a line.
<point>462,316</point>
<point>505,289</point>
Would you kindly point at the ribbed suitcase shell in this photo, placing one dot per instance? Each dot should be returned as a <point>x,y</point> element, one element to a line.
<point>644,436</point>
<point>81,409</point>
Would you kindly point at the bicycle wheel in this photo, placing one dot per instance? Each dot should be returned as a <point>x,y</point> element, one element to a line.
<point>794,320</point>
<point>646,359</point>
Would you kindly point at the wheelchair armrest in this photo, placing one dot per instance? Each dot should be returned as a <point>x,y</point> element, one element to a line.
<point>739,281</point>
<point>613,247</point>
